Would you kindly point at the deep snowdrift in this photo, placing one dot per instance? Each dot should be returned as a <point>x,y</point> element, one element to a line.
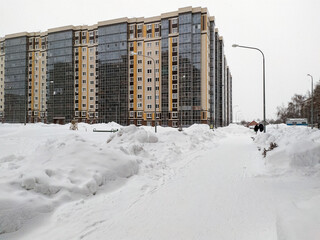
<point>298,149</point>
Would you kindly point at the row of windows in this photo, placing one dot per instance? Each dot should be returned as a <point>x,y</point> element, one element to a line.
<point>149,44</point>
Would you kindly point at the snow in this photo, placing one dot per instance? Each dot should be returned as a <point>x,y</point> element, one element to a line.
<point>136,184</point>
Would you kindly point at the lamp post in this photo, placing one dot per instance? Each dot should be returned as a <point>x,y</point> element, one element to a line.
<point>180,108</point>
<point>155,91</point>
<point>311,100</point>
<point>264,82</point>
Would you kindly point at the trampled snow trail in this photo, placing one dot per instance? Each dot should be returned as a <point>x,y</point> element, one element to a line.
<point>213,196</point>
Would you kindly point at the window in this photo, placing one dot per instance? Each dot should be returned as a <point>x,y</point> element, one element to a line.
<point>156,43</point>
<point>149,71</point>
<point>84,65</point>
<point>139,106</point>
<point>139,87</point>
<point>91,66</point>
<point>149,44</point>
<point>131,114</point>
<point>84,89</point>
<point>139,52</point>
<point>174,58</point>
<point>174,105</point>
<point>174,95</point>
<point>149,27</point>
<point>149,106</point>
<point>139,61</point>
<point>91,50</point>
<point>174,40</point>
<point>149,97</point>
<point>149,88</point>
<point>139,79</point>
<point>174,49</point>
<point>149,62</point>
<point>149,115</point>
<point>139,114</point>
<point>174,77</point>
<point>149,53</point>
<point>139,96</point>
<point>139,44</point>
<point>174,68</point>
<point>174,21</point>
<point>149,80</point>
<point>174,86</point>
<point>139,26</point>
<point>139,70</point>
<point>174,114</point>
<point>156,52</point>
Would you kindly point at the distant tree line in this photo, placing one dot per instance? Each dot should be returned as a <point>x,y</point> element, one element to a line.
<point>300,107</point>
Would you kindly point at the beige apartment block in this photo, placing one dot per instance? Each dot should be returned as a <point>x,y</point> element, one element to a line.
<point>168,70</point>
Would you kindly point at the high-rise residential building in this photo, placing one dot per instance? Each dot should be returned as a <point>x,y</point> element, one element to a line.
<point>169,68</point>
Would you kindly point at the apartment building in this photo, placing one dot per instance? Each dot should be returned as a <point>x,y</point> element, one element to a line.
<point>169,68</point>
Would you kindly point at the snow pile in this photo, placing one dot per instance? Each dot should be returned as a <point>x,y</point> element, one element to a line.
<point>43,166</point>
<point>298,149</point>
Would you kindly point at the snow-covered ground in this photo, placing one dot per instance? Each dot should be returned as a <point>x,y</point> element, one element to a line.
<point>134,184</point>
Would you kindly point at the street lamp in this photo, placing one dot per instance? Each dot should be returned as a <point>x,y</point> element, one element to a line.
<point>264,82</point>
<point>311,100</point>
<point>155,92</point>
<point>180,108</point>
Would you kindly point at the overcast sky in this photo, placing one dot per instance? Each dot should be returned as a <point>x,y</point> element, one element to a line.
<point>287,31</point>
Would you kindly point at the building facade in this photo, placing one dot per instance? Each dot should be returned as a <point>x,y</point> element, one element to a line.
<point>169,68</point>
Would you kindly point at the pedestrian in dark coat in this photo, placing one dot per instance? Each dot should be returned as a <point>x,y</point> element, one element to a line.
<point>261,127</point>
<point>256,128</point>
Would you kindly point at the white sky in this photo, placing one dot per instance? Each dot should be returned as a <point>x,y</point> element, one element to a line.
<point>287,31</point>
